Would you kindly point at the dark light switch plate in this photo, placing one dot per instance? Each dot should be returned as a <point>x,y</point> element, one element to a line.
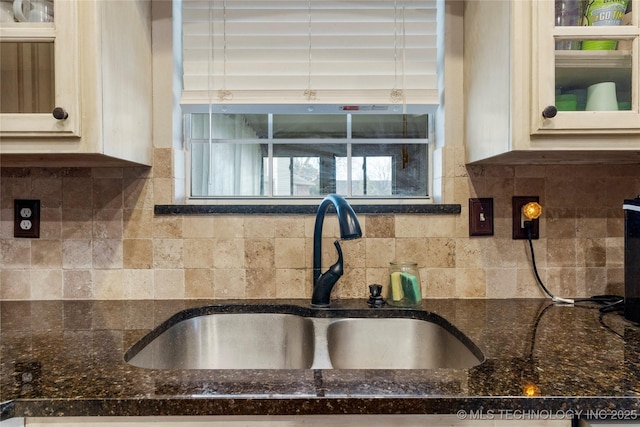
<point>481,217</point>
<point>26,219</point>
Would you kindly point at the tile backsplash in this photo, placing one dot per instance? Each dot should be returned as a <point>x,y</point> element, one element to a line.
<point>100,239</point>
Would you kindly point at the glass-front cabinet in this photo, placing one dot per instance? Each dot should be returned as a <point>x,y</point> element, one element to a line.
<point>585,63</point>
<point>76,81</point>
<point>39,69</point>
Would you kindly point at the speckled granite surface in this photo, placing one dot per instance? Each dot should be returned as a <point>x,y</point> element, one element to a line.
<point>66,358</point>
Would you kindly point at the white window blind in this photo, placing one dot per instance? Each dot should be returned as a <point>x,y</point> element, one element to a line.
<point>301,51</point>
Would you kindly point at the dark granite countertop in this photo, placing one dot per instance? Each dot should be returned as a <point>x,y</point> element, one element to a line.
<point>62,358</point>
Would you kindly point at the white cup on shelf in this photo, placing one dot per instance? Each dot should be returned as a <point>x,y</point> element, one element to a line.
<point>602,97</point>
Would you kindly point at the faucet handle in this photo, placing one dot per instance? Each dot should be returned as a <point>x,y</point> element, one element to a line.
<point>337,268</point>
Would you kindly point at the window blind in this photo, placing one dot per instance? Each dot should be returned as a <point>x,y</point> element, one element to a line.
<point>301,51</point>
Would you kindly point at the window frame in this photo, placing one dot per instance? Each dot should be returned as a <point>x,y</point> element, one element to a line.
<point>430,110</point>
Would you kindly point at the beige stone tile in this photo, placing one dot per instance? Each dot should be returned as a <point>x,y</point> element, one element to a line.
<point>380,252</point>
<point>591,281</point>
<point>50,223</point>
<point>107,253</point>
<point>561,252</point>
<point>352,284</point>
<point>591,253</point>
<point>138,284</point>
<point>378,276</point>
<point>498,252</point>
<point>615,282</point>
<point>137,253</point>
<point>591,224</point>
<point>198,283</point>
<point>15,285</point>
<point>168,284</point>
<point>288,226</point>
<point>138,193</point>
<point>76,284</point>
<point>501,283</point>
<point>15,253</point>
<point>163,191</point>
<point>138,223</point>
<point>107,172</point>
<point>562,281</point>
<point>354,253</point>
<point>259,226</point>
<point>381,226</point>
<point>6,224</point>
<point>77,224</point>
<point>471,283</point>
<point>293,283</point>
<point>170,226</point>
<point>48,191</point>
<point>77,193</point>
<point>228,253</point>
<point>259,253</point>
<point>229,283</point>
<point>261,282</point>
<point>526,284</point>
<point>76,254</point>
<point>413,249</point>
<point>470,253</point>
<point>46,284</point>
<point>197,226</point>
<point>410,226</point>
<point>228,227</point>
<point>108,284</point>
<point>107,224</point>
<point>289,252</point>
<point>107,193</point>
<point>162,162</point>
<point>198,253</point>
<point>168,253</point>
<point>46,253</point>
<point>438,283</point>
<point>439,252</point>
<point>614,252</point>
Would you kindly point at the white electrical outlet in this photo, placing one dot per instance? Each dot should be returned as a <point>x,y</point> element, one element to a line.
<point>27,218</point>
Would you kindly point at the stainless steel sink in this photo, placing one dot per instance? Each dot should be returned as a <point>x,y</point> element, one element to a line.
<point>232,341</point>
<point>288,341</point>
<point>366,343</point>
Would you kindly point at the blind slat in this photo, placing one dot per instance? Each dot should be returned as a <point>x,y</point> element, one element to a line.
<point>260,50</point>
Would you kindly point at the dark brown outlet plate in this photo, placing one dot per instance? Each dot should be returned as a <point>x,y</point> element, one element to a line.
<point>519,232</point>
<point>481,217</point>
<point>26,219</point>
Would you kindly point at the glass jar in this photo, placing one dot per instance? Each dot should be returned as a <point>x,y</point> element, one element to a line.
<point>404,284</point>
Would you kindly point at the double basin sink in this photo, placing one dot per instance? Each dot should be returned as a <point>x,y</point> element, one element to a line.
<point>280,340</point>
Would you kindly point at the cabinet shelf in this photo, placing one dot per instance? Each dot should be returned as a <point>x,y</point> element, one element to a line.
<point>593,59</point>
<point>581,68</point>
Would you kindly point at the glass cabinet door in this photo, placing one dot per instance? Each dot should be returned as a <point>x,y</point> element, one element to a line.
<point>587,66</point>
<point>39,68</point>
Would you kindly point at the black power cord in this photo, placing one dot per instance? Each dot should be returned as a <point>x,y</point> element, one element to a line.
<point>610,302</point>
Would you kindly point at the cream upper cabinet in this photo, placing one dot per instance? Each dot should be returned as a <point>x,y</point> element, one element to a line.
<point>546,82</point>
<point>76,88</point>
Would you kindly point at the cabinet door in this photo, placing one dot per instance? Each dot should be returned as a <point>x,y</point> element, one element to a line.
<point>585,68</point>
<point>39,66</point>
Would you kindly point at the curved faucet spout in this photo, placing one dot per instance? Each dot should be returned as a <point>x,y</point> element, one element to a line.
<point>349,229</point>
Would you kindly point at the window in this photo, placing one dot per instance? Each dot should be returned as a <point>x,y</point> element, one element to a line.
<point>297,99</point>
